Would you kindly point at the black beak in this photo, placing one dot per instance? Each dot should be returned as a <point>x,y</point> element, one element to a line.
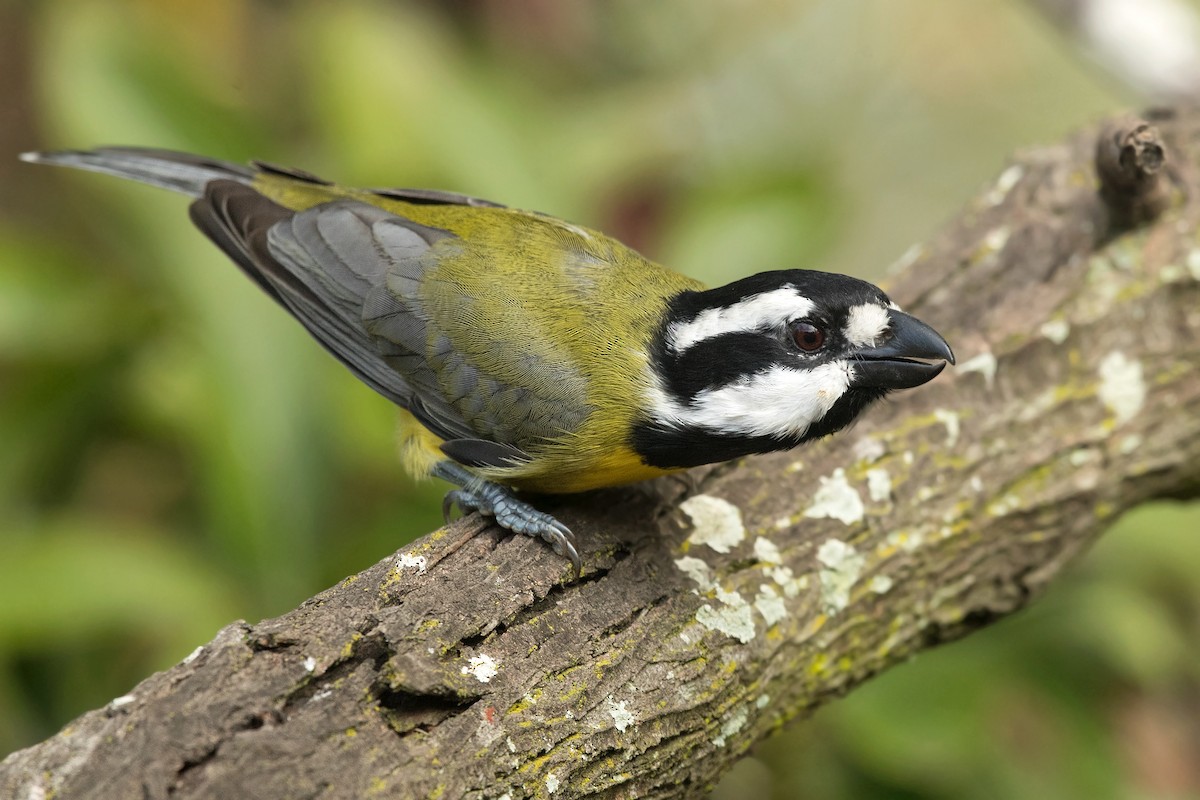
<point>890,365</point>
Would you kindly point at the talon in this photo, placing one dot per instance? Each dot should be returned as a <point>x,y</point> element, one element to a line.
<point>573,555</point>
<point>562,541</point>
<point>564,530</point>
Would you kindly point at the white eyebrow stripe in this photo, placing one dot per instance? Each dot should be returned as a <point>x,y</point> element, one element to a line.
<point>756,312</point>
<point>866,324</point>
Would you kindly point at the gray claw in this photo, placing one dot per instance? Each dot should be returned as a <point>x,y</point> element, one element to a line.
<point>448,503</point>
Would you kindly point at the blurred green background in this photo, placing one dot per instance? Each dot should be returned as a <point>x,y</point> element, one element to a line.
<point>175,453</point>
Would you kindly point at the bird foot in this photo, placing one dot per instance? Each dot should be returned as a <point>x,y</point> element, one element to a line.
<point>493,500</point>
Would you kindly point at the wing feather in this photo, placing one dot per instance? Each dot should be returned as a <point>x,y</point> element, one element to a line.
<point>329,266</point>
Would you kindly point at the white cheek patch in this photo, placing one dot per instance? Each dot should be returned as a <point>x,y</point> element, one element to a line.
<point>866,324</point>
<point>762,311</point>
<point>781,401</point>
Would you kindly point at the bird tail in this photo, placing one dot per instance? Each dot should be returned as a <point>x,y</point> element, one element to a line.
<point>167,169</point>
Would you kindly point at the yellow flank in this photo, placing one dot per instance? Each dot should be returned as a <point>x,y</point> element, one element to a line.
<point>612,468</point>
<point>419,447</point>
<point>563,314</point>
<point>420,451</point>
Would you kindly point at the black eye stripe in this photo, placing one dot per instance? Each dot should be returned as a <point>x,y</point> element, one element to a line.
<point>719,361</point>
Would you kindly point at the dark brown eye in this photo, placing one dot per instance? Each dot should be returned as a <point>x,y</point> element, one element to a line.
<point>808,337</point>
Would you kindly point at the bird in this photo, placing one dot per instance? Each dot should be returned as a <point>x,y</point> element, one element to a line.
<point>529,354</point>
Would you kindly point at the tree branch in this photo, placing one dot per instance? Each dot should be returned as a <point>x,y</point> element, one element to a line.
<point>470,665</point>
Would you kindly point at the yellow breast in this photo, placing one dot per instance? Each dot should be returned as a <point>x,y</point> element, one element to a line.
<point>560,470</point>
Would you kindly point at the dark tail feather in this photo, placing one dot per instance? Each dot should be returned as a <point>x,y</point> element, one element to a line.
<point>167,169</point>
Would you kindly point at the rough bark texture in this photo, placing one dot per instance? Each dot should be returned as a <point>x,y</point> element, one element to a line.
<point>473,666</point>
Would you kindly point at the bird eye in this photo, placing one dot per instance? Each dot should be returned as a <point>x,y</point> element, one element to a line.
<point>808,337</point>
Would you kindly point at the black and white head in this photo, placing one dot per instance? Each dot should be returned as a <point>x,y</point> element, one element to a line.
<point>774,360</point>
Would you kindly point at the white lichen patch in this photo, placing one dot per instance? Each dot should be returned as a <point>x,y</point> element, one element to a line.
<point>1122,388</point>
<point>733,617</point>
<point>907,541</point>
<point>1081,456</point>
<point>733,598</point>
<point>551,783</point>
<point>1004,506</point>
<point>1004,184</point>
<point>975,484</point>
<point>763,701</point>
<point>767,551</point>
<point>411,561</point>
<point>717,522</point>
<point>880,584</point>
<point>995,239</point>
<point>843,566</point>
<point>781,575</point>
<point>123,700</point>
<point>1056,330</point>
<point>879,484</point>
<point>869,450</point>
<point>1172,273</point>
<point>192,656</point>
<point>697,570</point>
<point>1129,444</point>
<point>791,585</point>
<point>836,499</point>
<point>736,721</point>
<point>950,420</point>
<point>483,667</point>
<point>310,664</point>
<point>770,605</point>
<point>1193,264</point>
<point>984,364</point>
<point>622,716</point>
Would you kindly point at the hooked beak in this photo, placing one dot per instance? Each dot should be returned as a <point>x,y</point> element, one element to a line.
<point>891,365</point>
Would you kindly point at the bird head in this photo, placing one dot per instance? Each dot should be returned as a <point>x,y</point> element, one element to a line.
<point>770,361</point>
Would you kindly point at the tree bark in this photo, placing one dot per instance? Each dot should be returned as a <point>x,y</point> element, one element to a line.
<point>473,665</point>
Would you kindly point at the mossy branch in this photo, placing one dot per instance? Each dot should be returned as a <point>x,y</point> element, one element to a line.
<point>471,665</point>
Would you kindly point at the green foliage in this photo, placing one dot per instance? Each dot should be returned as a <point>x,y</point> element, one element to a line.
<point>176,453</point>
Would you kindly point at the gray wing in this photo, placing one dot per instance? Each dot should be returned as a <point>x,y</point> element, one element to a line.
<point>350,273</point>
